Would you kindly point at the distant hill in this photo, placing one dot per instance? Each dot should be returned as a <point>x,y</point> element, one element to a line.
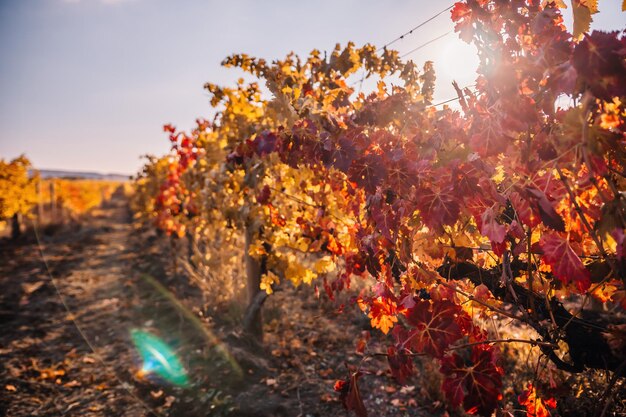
<point>53,173</point>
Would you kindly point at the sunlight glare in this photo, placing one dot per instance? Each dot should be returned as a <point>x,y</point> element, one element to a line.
<point>458,61</point>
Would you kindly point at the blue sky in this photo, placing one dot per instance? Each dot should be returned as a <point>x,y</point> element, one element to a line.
<point>87,84</point>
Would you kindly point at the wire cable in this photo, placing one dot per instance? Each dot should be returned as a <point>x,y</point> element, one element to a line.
<point>425,44</point>
<point>409,32</point>
<point>455,98</point>
<point>416,27</point>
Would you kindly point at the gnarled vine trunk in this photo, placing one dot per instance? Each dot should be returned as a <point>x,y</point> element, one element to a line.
<point>589,338</point>
<point>255,268</point>
<point>16,227</point>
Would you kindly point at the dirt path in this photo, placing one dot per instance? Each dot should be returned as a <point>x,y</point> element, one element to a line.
<point>48,368</point>
<point>113,279</point>
<point>83,363</point>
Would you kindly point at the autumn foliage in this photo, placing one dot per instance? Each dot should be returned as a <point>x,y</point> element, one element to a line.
<point>18,192</point>
<point>510,205</point>
<point>24,194</point>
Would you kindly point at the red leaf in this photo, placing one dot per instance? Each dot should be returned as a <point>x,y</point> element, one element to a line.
<point>548,214</point>
<point>384,215</point>
<point>350,395</point>
<point>566,265</point>
<point>620,238</point>
<point>599,62</point>
<point>438,207</point>
<point>461,14</point>
<point>476,383</point>
<point>535,406</point>
<point>265,143</point>
<point>361,343</point>
<point>435,326</point>
<point>490,227</point>
<point>367,171</point>
<point>523,209</point>
<point>264,195</point>
<point>400,364</point>
<point>277,218</point>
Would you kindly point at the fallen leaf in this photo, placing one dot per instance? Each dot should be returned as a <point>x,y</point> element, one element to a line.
<point>389,389</point>
<point>396,402</point>
<point>169,400</point>
<point>327,398</point>
<point>29,288</point>
<point>407,389</point>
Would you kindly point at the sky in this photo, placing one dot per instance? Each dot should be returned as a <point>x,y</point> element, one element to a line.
<point>88,84</point>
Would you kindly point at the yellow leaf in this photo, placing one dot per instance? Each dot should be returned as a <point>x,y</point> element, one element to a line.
<point>382,91</point>
<point>302,244</point>
<point>267,280</point>
<point>383,322</point>
<point>256,250</point>
<point>324,265</point>
<point>383,314</point>
<point>582,16</point>
<point>296,92</point>
<point>499,176</point>
<point>559,3</point>
<point>297,273</point>
<point>592,5</point>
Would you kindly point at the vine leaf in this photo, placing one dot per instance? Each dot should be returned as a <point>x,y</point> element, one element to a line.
<point>461,14</point>
<point>439,207</point>
<point>548,214</point>
<point>566,265</point>
<point>582,10</point>
<point>382,314</point>
<point>490,227</point>
<point>400,364</point>
<point>476,383</point>
<point>350,395</point>
<point>435,326</point>
<point>536,406</point>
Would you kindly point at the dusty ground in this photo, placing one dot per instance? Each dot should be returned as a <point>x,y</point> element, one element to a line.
<point>114,278</point>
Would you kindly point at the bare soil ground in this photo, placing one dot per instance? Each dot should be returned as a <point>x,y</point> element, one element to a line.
<point>114,278</point>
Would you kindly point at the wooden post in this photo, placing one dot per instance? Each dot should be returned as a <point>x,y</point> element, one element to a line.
<point>190,248</point>
<point>174,248</point>
<point>39,203</point>
<point>53,203</point>
<point>16,229</point>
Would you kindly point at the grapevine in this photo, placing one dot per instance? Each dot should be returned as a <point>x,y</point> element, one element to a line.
<point>514,203</point>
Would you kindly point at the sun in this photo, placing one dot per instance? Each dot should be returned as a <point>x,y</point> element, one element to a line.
<point>457,61</point>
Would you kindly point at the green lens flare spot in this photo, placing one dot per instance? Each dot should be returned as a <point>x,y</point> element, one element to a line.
<point>159,358</point>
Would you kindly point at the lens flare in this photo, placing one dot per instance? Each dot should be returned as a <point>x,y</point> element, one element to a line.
<point>213,340</point>
<point>158,358</point>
